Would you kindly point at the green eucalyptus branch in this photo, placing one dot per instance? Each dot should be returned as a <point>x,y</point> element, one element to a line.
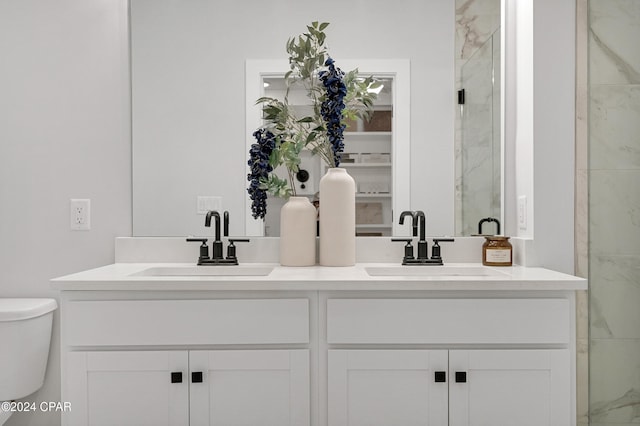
<point>307,57</point>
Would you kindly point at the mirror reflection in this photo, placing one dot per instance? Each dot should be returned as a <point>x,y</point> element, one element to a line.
<point>367,158</point>
<point>479,163</point>
<point>189,99</point>
<point>375,148</point>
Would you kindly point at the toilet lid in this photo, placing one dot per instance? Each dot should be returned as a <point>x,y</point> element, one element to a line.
<point>14,309</point>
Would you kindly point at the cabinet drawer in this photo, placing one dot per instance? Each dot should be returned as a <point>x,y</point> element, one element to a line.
<point>186,322</point>
<point>448,321</point>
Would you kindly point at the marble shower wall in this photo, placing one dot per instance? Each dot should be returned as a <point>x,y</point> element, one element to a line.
<point>480,159</point>
<point>477,143</point>
<point>614,212</point>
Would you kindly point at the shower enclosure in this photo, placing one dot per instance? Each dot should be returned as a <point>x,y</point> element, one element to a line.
<point>479,160</point>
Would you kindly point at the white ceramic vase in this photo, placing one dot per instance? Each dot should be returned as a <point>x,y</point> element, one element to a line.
<point>337,218</point>
<point>298,220</point>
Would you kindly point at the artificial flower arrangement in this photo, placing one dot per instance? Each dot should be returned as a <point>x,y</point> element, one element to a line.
<point>335,97</point>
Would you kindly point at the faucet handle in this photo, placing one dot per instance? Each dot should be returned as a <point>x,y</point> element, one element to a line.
<point>435,249</point>
<point>408,248</point>
<point>231,248</point>
<point>204,248</point>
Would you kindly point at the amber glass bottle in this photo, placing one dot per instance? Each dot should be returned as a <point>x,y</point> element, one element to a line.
<point>497,251</point>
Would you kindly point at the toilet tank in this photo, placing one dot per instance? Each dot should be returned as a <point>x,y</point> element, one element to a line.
<point>25,335</point>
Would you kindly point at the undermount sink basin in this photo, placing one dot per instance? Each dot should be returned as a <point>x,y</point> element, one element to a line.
<point>433,271</point>
<point>204,271</point>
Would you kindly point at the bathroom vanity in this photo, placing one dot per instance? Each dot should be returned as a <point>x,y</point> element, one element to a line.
<point>377,343</point>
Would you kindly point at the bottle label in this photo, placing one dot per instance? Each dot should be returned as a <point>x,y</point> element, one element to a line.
<point>498,255</point>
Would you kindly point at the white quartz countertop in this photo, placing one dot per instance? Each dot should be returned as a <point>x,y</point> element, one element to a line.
<point>130,276</point>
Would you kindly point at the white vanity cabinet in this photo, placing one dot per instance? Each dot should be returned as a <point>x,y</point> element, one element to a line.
<point>440,387</point>
<point>174,388</point>
<point>318,346</point>
<point>130,387</point>
<point>386,387</point>
<point>449,361</point>
<point>230,361</point>
<point>510,386</point>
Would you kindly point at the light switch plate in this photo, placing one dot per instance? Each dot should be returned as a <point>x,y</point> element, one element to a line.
<point>522,212</point>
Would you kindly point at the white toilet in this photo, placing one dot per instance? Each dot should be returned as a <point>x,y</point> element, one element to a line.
<point>25,335</point>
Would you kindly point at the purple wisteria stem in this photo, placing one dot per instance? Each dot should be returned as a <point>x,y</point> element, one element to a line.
<point>332,107</point>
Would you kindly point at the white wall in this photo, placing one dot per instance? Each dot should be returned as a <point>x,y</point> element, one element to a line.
<point>189,103</point>
<point>524,121</point>
<point>540,134</point>
<point>554,54</point>
<point>64,133</point>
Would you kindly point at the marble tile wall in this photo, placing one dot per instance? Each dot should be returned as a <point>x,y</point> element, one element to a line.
<point>582,211</point>
<point>477,171</point>
<point>614,212</point>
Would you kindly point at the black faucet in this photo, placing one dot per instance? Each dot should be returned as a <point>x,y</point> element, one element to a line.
<point>414,220</point>
<point>423,249</point>
<point>217,245</point>
<point>217,242</point>
<point>419,222</point>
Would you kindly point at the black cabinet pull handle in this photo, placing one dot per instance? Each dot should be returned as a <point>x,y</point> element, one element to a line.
<point>461,377</point>
<point>176,377</point>
<point>440,376</point>
<point>196,377</point>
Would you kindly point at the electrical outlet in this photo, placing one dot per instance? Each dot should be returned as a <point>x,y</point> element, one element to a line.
<point>80,214</point>
<point>206,203</point>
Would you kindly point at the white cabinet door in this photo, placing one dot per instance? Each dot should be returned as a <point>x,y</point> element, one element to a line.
<point>387,388</point>
<point>510,387</point>
<point>250,388</point>
<point>127,388</point>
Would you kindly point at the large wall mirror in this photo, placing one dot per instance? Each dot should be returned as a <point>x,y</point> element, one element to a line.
<point>189,103</point>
